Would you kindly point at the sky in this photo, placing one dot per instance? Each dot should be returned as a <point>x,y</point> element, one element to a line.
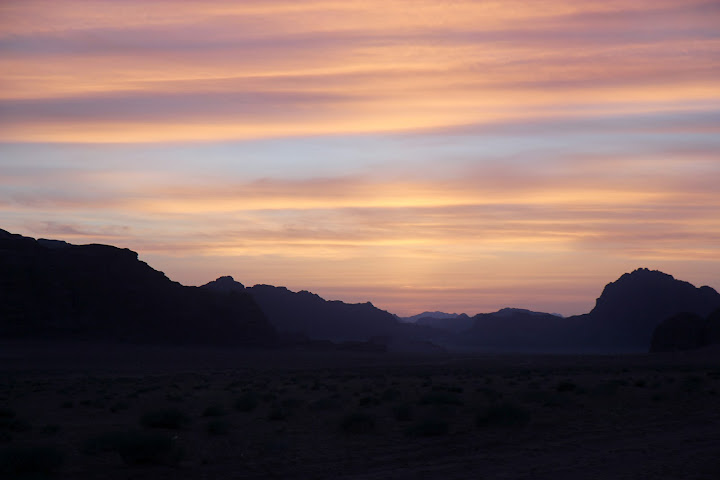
<point>460,156</point>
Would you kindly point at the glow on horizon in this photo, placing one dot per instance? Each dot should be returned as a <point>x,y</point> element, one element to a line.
<point>426,155</point>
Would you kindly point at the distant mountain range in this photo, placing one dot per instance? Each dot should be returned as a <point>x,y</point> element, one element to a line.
<point>52,289</point>
<point>623,319</point>
<point>307,314</point>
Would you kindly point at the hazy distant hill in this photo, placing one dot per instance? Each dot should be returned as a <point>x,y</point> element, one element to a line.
<point>520,330</point>
<point>309,314</point>
<point>52,289</point>
<point>456,323</point>
<point>436,315</point>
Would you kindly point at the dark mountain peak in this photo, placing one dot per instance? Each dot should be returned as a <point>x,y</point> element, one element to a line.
<point>310,314</point>
<point>225,284</point>
<point>643,287</point>
<point>54,289</point>
<point>629,309</point>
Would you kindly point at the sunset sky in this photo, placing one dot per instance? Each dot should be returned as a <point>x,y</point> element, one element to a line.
<point>422,155</point>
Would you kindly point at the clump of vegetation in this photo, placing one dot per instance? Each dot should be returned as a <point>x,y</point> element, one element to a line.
<point>6,412</point>
<point>390,394</point>
<point>119,406</point>
<point>218,427</point>
<point>292,403</point>
<point>277,413</point>
<point>403,412</point>
<point>429,427</point>
<point>502,415</point>
<point>50,429</point>
<point>10,423</point>
<point>170,418</point>
<point>692,384</point>
<point>17,461</point>
<point>136,447</point>
<point>358,422</point>
<point>368,401</point>
<point>214,411</point>
<point>326,403</point>
<point>492,395</point>
<point>440,398</point>
<point>566,386</point>
<point>247,402</point>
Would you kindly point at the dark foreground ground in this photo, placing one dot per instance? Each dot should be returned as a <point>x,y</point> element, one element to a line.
<point>152,413</point>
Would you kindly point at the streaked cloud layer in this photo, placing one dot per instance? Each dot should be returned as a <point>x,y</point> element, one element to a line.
<point>441,155</point>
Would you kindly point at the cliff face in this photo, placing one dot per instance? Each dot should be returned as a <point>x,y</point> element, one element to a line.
<point>631,307</point>
<point>55,289</point>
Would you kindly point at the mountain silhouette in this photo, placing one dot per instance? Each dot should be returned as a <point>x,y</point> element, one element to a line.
<point>520,330</point>
<point>455,323</point>
<point>308,315</point>
<point>53,289</point>
<point>438,315</point>
<point>629,309</point>
<point>623,319</point>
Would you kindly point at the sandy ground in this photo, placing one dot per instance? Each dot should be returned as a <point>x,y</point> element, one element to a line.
<point>208,413</point>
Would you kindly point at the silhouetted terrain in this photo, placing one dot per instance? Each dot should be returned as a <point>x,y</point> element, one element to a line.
<point>631,307</point>
<point>455,323</point>
<point>686,331</point>
<point>169,412</point>
<point>623,320</point>
<point>54,289</point>
<point>307,314</point>
<point>75,407</point>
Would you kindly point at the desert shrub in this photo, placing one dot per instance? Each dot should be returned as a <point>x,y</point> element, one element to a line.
<point>403,412</point>
<point>491,394</point>
<point>170,418</point>
<point>175,397</point>
<point>566,386</point>
<point>50,429</point>
<point>502,415</point>
<point>277,413</point>
<point>217,427</point>
<point>9,422</point>
<point>119,406</point>
<point>7,412</point>
<point>136,447</point>
<point>368,401</point>
<point>326,403</point>
<point>429,427</point>
<point>12,424</point>
<point>292,403</point>
<point>247,402</point>
<point>692,384</point>
<point>440,398</point>
<point>18,461</point>
<point>390,394</point>
<point>358,422</point>
<point>214,411</point>
<point>607,388</point>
